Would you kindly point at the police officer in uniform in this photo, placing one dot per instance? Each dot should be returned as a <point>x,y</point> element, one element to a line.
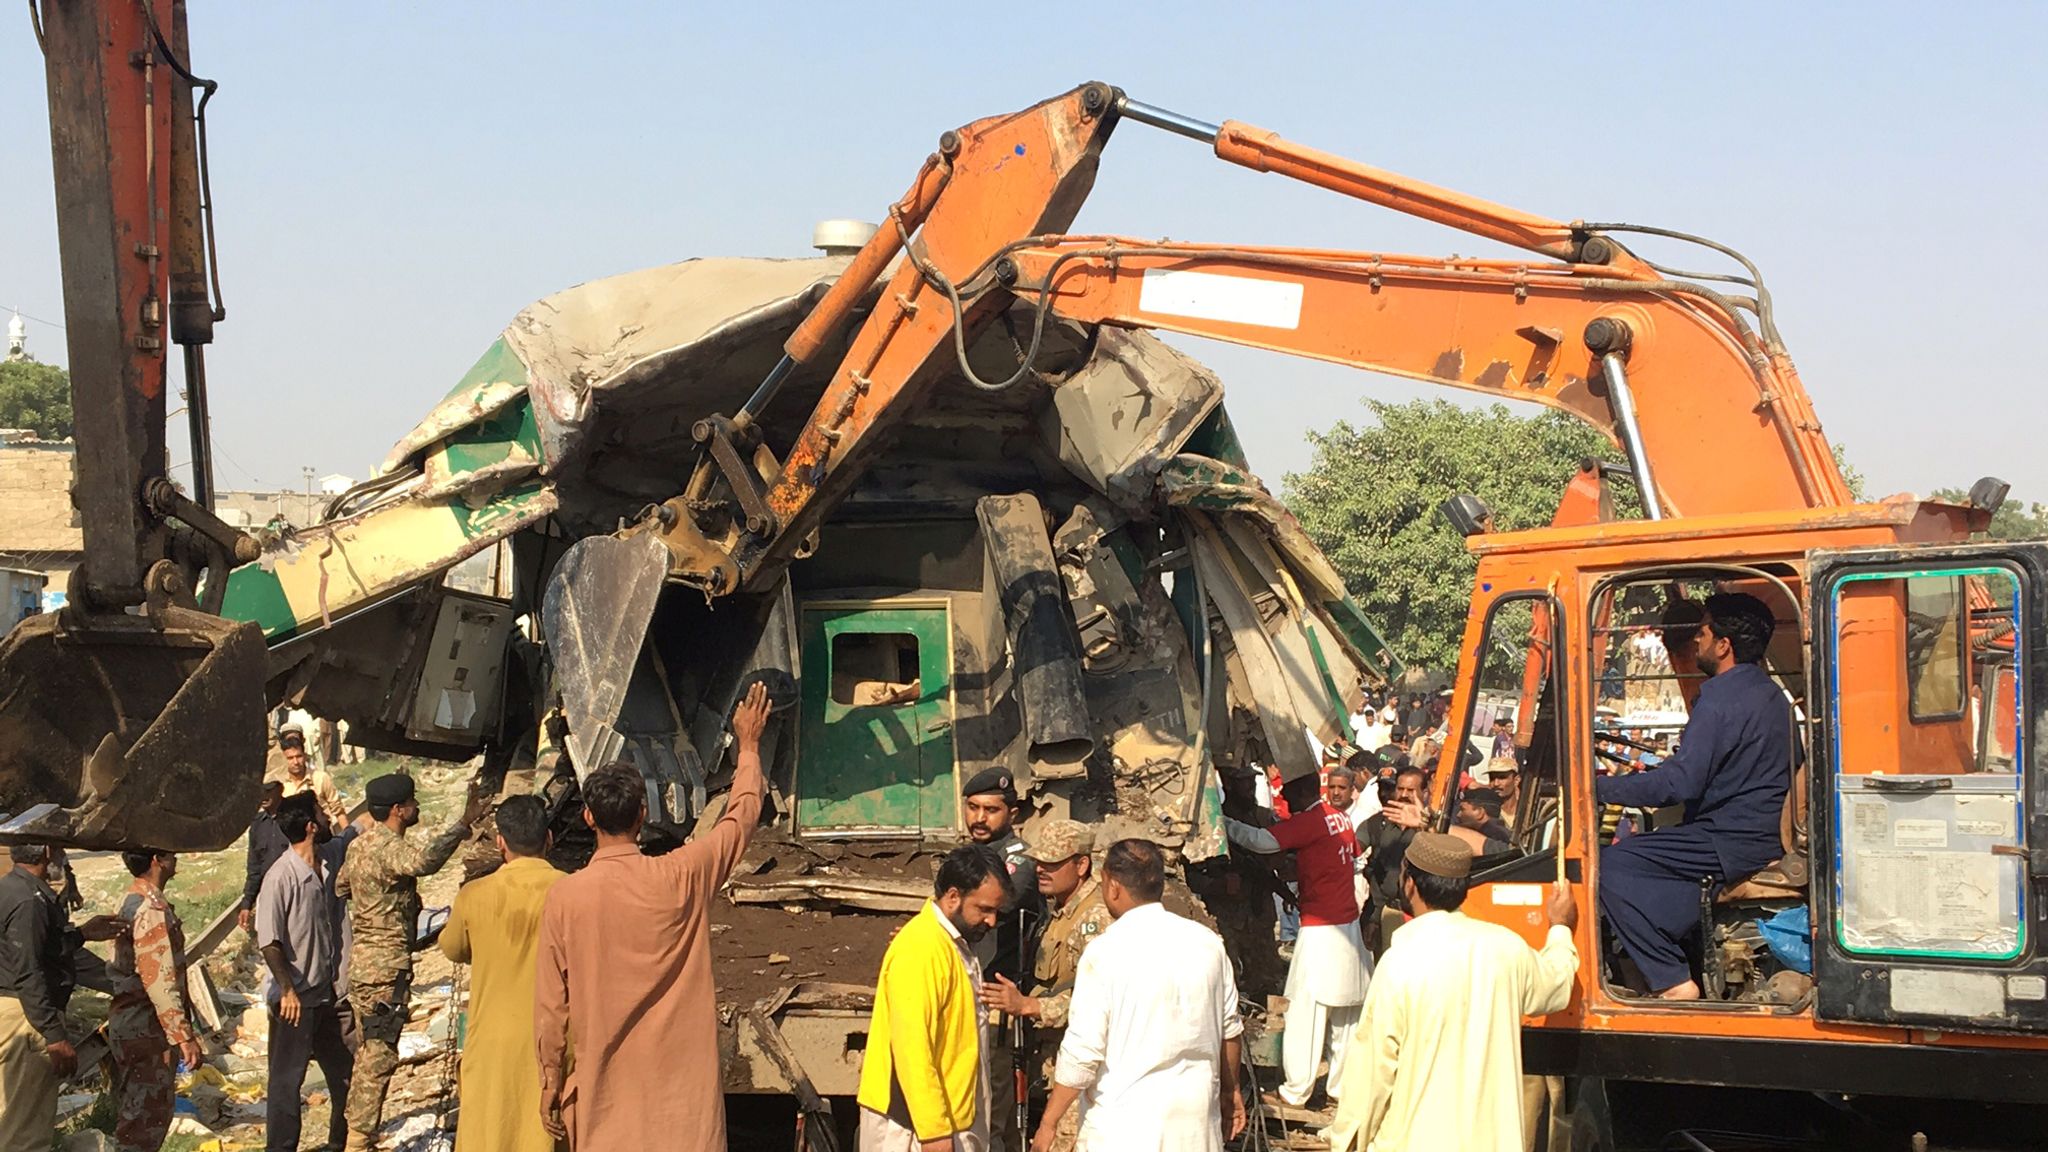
<point>1066,878</point>
<point>381,882</point>
<point>42,958</point>
<point>989,805</point>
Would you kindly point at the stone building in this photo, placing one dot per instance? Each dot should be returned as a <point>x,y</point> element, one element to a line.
<point>40,532</point>
<point>39,528</point>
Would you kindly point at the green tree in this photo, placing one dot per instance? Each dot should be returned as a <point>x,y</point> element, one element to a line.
<point>2014,519</point>
<point>1370,501</point>
<point>37,397</point>
<point>1851,475</point>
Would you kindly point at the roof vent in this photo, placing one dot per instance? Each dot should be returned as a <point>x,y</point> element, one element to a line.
<point>841,237</point>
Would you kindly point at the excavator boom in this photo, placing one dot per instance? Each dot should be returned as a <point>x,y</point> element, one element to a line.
<point>1659,364</point>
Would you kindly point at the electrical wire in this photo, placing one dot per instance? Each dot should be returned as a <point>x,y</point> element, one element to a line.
<point>1690,1139</point>
<point>37,319</point>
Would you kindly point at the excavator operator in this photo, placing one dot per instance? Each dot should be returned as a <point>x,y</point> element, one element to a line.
<point>1731,771</point>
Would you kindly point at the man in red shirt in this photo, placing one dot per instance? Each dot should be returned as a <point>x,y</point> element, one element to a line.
<point>1327,978</point>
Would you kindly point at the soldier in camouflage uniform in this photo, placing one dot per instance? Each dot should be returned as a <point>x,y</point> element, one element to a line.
<point>380,879</point>
<point>151,1013</point>
<point>1066,878</point>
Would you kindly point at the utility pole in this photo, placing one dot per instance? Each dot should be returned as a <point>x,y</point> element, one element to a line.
<point>307,510</point>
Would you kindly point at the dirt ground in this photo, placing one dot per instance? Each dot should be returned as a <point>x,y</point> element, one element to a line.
<point>757,950</point>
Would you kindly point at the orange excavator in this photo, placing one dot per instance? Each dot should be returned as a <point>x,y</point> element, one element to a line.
<point>1897,950</point>
<point>1919,833</point>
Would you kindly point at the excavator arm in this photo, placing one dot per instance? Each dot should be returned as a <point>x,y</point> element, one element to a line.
<point>1510,330</point>
<point>134,716</point>
<point>1671,370</point>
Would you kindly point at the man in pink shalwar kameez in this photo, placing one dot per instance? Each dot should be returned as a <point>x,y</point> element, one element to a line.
<point>624,980</point>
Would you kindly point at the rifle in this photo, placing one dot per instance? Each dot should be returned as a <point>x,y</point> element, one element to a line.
<point>1020,1048</point>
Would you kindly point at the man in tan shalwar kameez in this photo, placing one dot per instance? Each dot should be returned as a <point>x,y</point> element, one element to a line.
<point>624,972</point>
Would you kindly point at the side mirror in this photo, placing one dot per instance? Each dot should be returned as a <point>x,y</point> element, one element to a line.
<point>1468,514</point>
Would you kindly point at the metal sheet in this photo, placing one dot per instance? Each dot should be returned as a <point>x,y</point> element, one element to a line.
<point>1267,681</point>
<point>1127,411</point>
<point>595,615</point>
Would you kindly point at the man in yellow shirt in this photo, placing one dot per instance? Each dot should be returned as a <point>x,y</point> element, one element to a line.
<point>495,928</point>
<point>923,1085</point>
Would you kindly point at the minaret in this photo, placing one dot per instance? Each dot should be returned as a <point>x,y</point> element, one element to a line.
<point>17,338</point>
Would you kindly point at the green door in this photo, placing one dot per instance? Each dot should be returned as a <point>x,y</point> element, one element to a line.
<point>876,746</point>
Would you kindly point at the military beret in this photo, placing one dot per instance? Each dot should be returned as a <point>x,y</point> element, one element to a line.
<point>1058,840</point>
<point>395,788</point>
<point>991,780</point>
<point>1440,854</point>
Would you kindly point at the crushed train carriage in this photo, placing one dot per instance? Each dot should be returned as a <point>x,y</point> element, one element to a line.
<point>1077,578</point>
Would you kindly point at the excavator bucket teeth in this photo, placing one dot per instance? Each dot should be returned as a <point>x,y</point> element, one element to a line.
<point>595,615</point>
<point>131,731</point>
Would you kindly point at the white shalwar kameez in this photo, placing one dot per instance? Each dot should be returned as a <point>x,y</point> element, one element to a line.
<point>1154,1000</point>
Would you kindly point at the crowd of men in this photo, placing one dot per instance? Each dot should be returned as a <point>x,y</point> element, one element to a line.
<point>593,1014</point>
<point>333,908</point>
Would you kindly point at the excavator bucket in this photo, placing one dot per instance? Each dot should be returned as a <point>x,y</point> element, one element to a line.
<point>595,615</point>
<point>127,731</point>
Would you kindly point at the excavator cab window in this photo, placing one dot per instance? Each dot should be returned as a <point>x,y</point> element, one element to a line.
<point>1507,739</point>
<point>1645,680</point>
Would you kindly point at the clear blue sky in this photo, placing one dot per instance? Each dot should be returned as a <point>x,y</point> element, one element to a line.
<point>395,181</point>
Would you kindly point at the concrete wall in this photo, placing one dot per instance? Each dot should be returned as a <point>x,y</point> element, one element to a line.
<point>39,529</point>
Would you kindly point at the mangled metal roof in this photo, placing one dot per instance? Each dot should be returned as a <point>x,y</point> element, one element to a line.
<point>579,416</point>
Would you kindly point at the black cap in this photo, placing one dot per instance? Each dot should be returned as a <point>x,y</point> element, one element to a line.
<point>991,780</point>
<point>384,791</point>
<point>298,803</point>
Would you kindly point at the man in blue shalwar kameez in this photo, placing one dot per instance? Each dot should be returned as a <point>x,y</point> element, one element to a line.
<point>1732,770</point>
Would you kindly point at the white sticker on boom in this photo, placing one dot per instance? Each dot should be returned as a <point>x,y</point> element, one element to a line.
<point>1525,895</point>
<point>1922,992</point>
<point>1207,296</point>
<point>1919,833</point>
